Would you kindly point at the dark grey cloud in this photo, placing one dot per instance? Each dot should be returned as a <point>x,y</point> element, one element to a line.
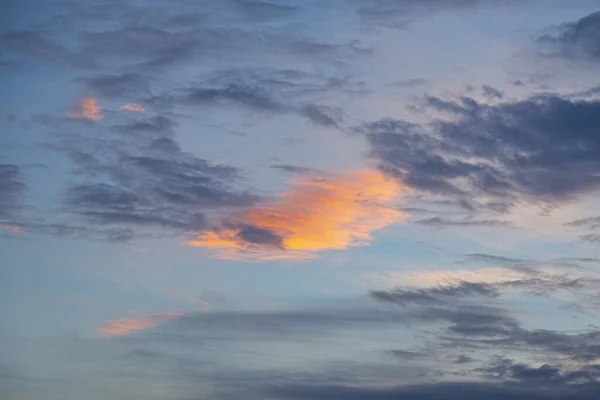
<point>159,126</point>
<point>494,259</point>
<point>589,222</point>
<point>473,321</point>
<point>591,237</point>
<point>462,359</point>
<point>541,150</point>
<point>580,39</point>
<point>137,179</point>
<point>435,295</point>
<point>492,93</point>
<point>148,46</point>
<point>125,85</point>
<point>293,169</point>
<point>36,44</point>
<point>251,96</point>
<point>480,327</point>
<point>284,91</point>
<point>264,10</point>
<point>398,14</point>
<point>279,325</point>
<point>547,375</point>
<point>439,222</point>
<point>323,115</point>
<point>409,355</point>
<point>433,391</point>
<point>12,187</point>
<point>155,37</point>
<point>471,326</point>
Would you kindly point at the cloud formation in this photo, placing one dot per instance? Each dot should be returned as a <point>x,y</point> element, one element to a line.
<point>85,109</point>
<point>12,187</point>
<point>125,326</point>
<point>317,214</point>
<point>140,181</point>
<point>133,107</point>
<point>576,40</point>
<point>540,150</point>
<point>12,228</point>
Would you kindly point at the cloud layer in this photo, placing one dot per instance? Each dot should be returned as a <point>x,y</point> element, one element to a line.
<point>318,213</point>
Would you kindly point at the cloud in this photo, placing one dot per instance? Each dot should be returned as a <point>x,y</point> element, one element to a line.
<point>442,285</point>
<point>267,90</point>
<point>262,10</point>
<point>468,304</point>
<point>37,44</point>
<point>85,109</point>
<point>12,187</point>
<point>439,222</point>
<point>186,296</point>
<point>399,14</point>
<point>138,180</point>
<point>125,326</point>
<point>118,85</point>
<point>435,295</point>
<point>251,96</point>
<point>576,40</point>
<point>540,150</point>
<point>12,228</point>
<point>589,222</point>
<point>323,115</point>
<point>494,259</point>
<point>317,214</point>
<point>473,325</point>
<point>294,169</point>
<point>133,107</point>
<point>590,237</point>
<point>432,391</point>
<point>548,375</point>
<point>160,45</point>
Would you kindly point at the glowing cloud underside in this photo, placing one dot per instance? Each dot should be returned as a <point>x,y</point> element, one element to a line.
<point>12,228</point>
<point>133,107</point>
<point>85,109</point>
<point>317,214</point>
<point>124,326</point>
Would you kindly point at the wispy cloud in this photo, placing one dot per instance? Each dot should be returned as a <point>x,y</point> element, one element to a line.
<point>85,109</point>
<point>12,228</point>
<point>133,107</point>
<point>186,296</point>
<point>125,326</point>
<point>317,214</point>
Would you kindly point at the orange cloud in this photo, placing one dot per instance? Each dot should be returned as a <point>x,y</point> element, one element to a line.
<point>85,109</point>
<point>12,228</point>
<point>124,326</point>
<point>134,107</point>
<point>317,214</point>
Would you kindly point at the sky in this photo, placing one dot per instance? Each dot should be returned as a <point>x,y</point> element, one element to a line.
<point>299,199</point>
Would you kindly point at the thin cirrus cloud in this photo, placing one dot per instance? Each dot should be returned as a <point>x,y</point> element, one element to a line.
<point>319,213</point>
<point>87,108</point>
<point>187,296</point>
<point>125,326</point>
<point>133,107</point>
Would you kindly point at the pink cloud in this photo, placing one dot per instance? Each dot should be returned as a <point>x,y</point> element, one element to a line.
<point>12,228</point>
<point>125,326</point>
<point>85,109</point>
<point>133,107</point>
